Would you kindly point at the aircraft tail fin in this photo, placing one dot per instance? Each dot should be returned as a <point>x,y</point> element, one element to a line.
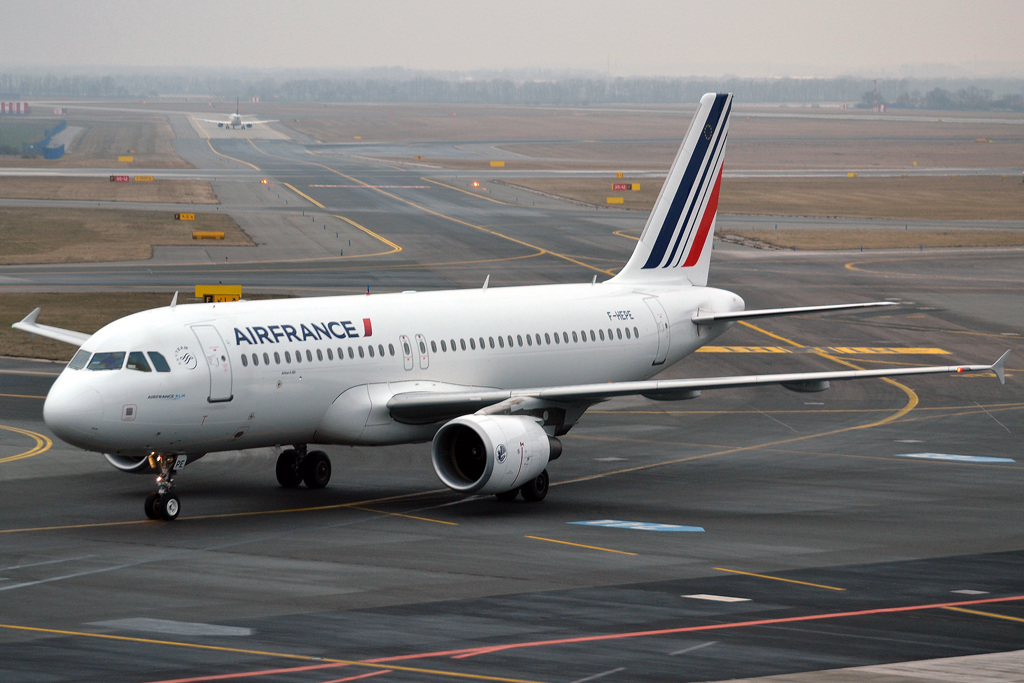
<point>675,246</point>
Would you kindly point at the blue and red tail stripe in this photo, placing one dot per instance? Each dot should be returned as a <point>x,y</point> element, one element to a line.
<point>692,194</point>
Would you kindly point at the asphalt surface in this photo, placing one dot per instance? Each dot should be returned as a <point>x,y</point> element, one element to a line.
<point>834,549</point>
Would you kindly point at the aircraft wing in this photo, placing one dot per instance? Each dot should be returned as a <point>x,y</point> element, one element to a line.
<point>266,121</point>
<point>226,123</point>
<point>422,406</point>
<point>707,319</point>
<point>29,324</point>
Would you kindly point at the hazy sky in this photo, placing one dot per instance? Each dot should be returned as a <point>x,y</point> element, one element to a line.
<point>625,37</point>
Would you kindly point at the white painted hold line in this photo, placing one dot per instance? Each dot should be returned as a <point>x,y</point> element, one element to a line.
<point>952,457</point>
<point>716,598</point>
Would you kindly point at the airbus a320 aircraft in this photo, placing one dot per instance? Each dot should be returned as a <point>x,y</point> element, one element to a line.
<point>492,376</point>
<point>235,120</point>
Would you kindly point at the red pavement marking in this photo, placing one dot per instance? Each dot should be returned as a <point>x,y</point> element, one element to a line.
<point>246,674</point>
<point>715,627</point>
<point>472,652</point>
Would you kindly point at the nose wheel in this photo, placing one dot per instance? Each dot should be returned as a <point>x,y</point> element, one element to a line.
<point>164,503</point>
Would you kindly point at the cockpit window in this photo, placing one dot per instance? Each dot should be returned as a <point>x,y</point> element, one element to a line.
<point>137,361</point>
<point>110,360</point>
<point>159,362</point>
<point>80,359</point>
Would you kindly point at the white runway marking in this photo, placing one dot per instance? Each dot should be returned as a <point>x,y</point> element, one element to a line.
<point>952,457</point>
<point>178,628</point>
<point>600,675</point>
<point>968,591</point>
<point>716,598</point>
<point>691,648</point>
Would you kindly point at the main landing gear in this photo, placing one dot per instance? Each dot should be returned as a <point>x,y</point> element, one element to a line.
<point>164,503</point>
<point>295,466</point>
<point>533,490</point>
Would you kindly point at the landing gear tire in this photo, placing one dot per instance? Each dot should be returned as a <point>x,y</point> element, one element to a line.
<point>316,470</point>
<point>149,506</point>
<point>507,496</point>
<point>288,474</point>
<point>167,506</point>
<point>535,490</point>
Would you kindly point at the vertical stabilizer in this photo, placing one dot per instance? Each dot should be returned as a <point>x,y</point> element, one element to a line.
<point>675,246</point>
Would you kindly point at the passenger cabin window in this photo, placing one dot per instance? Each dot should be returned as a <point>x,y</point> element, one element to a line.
<point>159,362</point>
<point>108,360</point>
<point>309,355</point>
<point>352,354</point>
<point>519,338</point>
<point>370,349</point>
<point>472,343</point>
<point>137,361</point>
<point>444,347</point>
<point>266,358</point>
<point>277,358</point>
<point>330,354</point>
<point>287,357</point>
<point>636,333</point>
<point>255,359</point>
<point>391,348</point>
<point>501,342</point>
<point>319,354</point>
<point>245,361</point>
<point>80,360</point>
<point>380,348</point>
<point>574,338</point>
<point>361,354</point>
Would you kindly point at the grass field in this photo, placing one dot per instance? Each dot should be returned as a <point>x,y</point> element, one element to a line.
<point>104,140</point>
<point>101,189</point>
<point>73,311</point>
<point>912,198</point>
<point>82,235</point>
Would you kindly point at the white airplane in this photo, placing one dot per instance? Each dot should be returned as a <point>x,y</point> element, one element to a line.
<point>235,120</point>
<point>492,376</point>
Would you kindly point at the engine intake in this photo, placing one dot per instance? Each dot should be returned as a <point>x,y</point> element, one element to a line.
<point>491,453</point>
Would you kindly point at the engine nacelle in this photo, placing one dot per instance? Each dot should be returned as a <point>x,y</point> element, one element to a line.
<point>491,453</point>
<point>133,464</point>
<point>140,464</point>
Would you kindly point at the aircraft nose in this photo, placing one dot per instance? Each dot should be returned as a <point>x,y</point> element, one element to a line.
<point>72,410</point>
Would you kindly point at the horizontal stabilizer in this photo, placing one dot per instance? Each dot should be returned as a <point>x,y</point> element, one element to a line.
<point>424,405</point>
<point>707,319</point>
<point>29,324</point>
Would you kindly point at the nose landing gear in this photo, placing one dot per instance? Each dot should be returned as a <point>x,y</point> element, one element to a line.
<point>164,504</point>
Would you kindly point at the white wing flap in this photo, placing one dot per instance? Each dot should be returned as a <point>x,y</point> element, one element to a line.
<point>423,405</point>
<point>29,324</point>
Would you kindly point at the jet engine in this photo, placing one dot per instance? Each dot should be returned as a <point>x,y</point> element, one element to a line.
<point>491,453</point>
<point>139,464</point>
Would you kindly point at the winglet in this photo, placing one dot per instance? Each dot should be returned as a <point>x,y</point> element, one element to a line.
<point>174,300</point>
<point>30,319</point>
<point>998,368</point>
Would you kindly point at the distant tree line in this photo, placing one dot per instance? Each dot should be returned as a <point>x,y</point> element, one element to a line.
<point>423,87</point>
<point>965,99</point>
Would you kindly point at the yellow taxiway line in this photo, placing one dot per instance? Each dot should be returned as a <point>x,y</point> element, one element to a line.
<point>43,444</point>
<point>776,578</point>
<point>580,545</point>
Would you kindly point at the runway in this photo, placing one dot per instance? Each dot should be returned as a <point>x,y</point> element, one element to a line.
<point>821,544</point>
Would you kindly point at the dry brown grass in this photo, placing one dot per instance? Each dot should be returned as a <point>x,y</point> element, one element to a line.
<point>81,235</point>
<point>649,138</point>
<point>73,311</point>
<point>878,239</point>
<point>101,189</point>
<point>105,140</point>
<point>912,198</point>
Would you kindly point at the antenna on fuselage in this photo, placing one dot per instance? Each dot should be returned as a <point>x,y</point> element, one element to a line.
<point>594,281</point>
<point>174,300</point>
<point>486,280</point>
